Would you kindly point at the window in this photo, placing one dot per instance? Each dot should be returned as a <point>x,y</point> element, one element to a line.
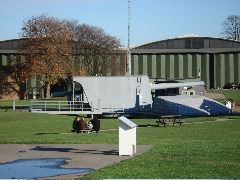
<point>3,60</point>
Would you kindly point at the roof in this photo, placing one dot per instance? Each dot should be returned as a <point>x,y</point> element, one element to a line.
<point>7,51</point>
<point>13,44</point>
<point>162,51</point>
<point>126,121</point>
<point>189,44</point>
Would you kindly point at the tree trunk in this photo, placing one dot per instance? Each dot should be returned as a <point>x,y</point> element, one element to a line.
<point>21,91</point>
<point>48,91</point>
<point>42,92</point>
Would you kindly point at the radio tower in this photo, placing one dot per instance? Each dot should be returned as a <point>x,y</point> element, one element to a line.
<point>129,53</point>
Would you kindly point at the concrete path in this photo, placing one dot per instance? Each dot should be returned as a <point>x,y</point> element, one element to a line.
<point>94,156</point>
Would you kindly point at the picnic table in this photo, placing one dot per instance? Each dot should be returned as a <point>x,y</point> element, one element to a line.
<point>170,119</point>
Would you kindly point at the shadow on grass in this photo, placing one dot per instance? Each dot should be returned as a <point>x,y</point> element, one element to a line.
<point>148,125</point>
<point>45,134</point>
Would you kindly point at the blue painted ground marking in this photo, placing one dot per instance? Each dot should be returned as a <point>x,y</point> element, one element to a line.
<point>37,168</point>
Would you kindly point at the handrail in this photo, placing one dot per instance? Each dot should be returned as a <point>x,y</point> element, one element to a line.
<point>49,105</point>
<point>60,106</point>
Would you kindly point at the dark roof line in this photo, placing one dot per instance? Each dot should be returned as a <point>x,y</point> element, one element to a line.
<point>185,38</point>
<point>8,40</point>
<point>8,51</point>
<point>184,51</point>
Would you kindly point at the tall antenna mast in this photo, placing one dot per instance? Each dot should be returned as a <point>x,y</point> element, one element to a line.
<point>129,28</point>
<point>129,19</point>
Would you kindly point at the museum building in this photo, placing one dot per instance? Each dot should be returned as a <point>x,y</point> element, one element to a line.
<point>215,61</point>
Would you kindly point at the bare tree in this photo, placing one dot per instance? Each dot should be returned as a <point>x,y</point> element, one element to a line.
<point>55,49</point>
<point>231,28</point>
<point>94,49</point>
<point>47,49</point>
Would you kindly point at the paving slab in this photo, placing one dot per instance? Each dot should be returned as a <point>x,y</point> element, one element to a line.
<point>94,156</point>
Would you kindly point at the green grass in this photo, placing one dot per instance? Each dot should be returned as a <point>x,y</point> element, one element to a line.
<point>32,128</point>
<point>233,94</point>
<point>7,105</point>
<point>210,149</point>
<point>4,103</point>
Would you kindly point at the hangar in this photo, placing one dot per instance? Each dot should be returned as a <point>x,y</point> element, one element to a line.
<point>215,61</point>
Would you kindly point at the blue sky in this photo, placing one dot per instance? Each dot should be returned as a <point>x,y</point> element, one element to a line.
<point>151,20</point>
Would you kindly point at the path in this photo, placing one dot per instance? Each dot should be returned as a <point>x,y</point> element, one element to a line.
<point>94,156</point>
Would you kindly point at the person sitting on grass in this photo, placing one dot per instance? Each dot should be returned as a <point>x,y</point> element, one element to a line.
<point>82,124</point>
<point>90,125</point>
<point>75,124</point>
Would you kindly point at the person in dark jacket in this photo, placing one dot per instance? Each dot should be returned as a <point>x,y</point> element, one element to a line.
<point>96,123</point>
<point>75,124</point>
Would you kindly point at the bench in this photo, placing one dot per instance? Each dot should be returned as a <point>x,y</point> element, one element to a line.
<point>85,131</point>
<point>82,131</point>
<point>170,119</point>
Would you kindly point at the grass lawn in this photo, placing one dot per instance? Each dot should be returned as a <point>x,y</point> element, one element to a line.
<point>9,103</point>
<point>207,149</point>
<point>233,94</point>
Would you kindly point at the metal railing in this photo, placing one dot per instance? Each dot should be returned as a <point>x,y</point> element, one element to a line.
<point>59,106</point>
<point>19,107</point>
<point>75,106</point>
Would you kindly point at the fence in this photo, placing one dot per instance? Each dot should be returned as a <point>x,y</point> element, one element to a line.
<point>59,106</point>
<point>73,107</point>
